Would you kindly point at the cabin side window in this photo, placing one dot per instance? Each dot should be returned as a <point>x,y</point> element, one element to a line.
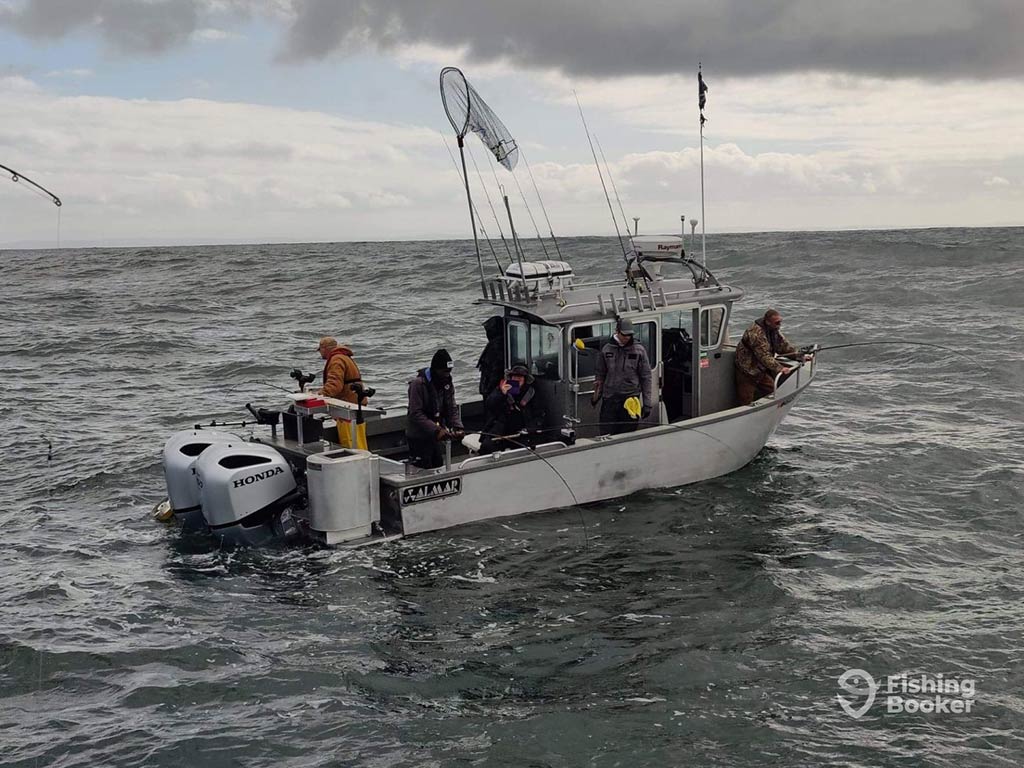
<point>593,337</point>
<point>518,344</point>
<point>546,343</point>
<point>712,321</point>
<point>647,334</point>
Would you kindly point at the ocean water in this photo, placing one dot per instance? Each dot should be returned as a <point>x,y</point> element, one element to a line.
<point>880,529</point>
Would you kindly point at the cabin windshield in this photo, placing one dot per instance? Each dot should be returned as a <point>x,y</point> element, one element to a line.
<point>537,346</point>
<point>546,350</point>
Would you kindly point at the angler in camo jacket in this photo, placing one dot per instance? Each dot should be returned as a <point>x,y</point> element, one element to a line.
<point>756,366</point>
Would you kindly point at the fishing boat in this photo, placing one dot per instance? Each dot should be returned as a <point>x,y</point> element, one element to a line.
<point>295,479</point>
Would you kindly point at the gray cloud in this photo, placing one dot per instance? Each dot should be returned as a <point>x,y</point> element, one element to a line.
<point>129,26</point>
<point>935,39</point>
<point>926,38</point>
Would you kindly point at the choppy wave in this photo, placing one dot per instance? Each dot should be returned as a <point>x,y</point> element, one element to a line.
<point>880,529</point>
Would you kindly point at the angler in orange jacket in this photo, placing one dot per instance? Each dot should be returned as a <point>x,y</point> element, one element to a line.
<point>340,371</point>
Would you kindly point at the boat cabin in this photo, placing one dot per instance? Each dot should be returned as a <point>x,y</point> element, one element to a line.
<point>555,326</point>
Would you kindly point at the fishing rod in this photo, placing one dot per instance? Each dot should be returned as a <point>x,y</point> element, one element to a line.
<point>890,341</point>
<point>516,245</point>
<point>257,381</point>
<point>487,194</point>
<point>515,238</point>
<point>614,189</point>
<point>540,199</point>
<point>37,189</point>
<point>17,176</point>
<point>530,213</point>
<point>479,220</point>
<point>615,221</point>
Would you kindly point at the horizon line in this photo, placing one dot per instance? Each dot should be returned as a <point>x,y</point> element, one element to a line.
<point>35,245</point>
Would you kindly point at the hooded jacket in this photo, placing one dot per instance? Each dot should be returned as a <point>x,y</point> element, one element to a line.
<point>431,408</point>
<point>624,370</point>
<point>492,360</point>
<point>340,371</point>
<point>755,354</point>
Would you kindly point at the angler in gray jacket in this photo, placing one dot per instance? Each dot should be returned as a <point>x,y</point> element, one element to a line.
<point>623,371</point>
<point>433,412</point>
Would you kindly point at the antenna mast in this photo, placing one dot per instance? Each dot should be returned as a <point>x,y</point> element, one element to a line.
<point>702,90</point>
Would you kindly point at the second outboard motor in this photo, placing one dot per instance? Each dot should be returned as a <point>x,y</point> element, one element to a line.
<point>181,451</point>
<point>242,488</point>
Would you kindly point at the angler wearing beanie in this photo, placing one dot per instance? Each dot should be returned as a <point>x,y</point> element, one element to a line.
<point>433,412</point>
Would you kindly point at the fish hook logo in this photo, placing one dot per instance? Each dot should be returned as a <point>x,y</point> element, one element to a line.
<point>858,683</point>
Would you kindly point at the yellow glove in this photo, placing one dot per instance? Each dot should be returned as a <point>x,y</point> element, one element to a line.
<point>632,406</point>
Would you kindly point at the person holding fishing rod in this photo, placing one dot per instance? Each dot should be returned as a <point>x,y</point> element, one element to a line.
<point>433,412</point>
<point>515,413</point>
<point>756,366</point>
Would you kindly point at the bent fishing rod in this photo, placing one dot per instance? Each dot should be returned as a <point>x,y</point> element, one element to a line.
<point>814,348</point>
<point>18,176</point>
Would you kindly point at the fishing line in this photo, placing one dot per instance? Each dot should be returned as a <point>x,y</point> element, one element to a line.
<point>683,427</point>
<point>576,501</point>
<point>49,498</point>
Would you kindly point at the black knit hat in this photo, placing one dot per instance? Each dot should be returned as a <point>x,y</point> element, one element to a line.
<point>441,361</point>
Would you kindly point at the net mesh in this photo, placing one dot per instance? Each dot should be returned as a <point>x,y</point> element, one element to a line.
<point>468,112</point>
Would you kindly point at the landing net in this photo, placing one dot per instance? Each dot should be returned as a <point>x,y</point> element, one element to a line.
<point>468,112</point>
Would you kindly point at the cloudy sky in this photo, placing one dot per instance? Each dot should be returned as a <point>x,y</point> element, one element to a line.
<point>318,120</point>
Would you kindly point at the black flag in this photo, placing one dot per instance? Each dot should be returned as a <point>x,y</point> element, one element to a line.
<point>702,89</point>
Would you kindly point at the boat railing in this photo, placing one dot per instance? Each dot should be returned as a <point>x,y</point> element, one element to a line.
<point>633,298</point>
<point>624,303</point>
<point>778,377</point>
<point>509,291</point>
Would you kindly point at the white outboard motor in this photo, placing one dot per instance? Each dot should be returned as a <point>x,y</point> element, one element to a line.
<point>181,451</point>
<point>242,488</point>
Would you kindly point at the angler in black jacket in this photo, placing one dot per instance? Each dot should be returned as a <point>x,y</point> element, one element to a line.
<point>433,412</point>
<point>492,360</point>
<point>512,408</point>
